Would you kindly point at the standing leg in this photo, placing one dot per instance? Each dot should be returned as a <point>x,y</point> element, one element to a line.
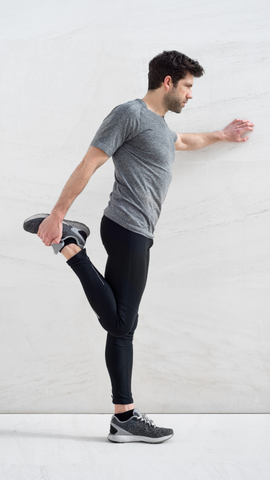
<point>119,361</point>
<point>126,271</point>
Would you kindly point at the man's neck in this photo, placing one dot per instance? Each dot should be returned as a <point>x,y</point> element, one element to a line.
<point>154,102</point>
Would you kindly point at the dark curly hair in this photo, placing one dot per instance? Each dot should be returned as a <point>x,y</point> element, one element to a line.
<point>172,63</point>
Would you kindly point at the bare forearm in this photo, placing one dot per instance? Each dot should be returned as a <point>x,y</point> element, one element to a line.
<point>93,159</point>
<point>231,133</point>
<point>50,230</point>
<point>195,141</point>
<point>73,187</point>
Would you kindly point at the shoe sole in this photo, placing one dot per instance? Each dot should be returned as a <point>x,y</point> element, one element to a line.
<point>133,438</point>
<point>31,226</point>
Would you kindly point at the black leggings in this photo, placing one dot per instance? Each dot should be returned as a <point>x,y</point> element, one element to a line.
<point>116,298</point>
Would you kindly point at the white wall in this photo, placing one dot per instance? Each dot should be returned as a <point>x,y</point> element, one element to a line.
<point>202,344</point>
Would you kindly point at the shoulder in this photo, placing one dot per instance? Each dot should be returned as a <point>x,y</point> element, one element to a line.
<point>131,108</point>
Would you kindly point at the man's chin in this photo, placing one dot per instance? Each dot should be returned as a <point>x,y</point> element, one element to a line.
<point>178,110</point>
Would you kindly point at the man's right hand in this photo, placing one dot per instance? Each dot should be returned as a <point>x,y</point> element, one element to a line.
<point>50,230</point>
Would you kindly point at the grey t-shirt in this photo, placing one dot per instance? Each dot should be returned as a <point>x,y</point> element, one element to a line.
<point>142,148</point>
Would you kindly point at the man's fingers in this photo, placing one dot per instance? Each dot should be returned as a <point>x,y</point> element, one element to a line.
<point>246,124</point>
<point>49,240</point>
<point>243,122</point>
<point>244,129</point>
<point>49,232</point>
<point>57,239</point>
<point>236,128</point>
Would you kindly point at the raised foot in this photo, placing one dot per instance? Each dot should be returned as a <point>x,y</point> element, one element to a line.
<point>71,230</point>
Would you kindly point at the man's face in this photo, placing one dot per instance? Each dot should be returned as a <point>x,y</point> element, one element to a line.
<point>178,96</point>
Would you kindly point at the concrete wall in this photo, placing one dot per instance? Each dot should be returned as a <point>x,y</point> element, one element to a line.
<point>203,340</point>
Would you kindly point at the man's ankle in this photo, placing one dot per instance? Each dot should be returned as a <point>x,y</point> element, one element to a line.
<point>123,417</point>
<point>70,250</point>
<point>123,408</point>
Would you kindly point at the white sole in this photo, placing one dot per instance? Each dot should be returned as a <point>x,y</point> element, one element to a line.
<point>133,438</point>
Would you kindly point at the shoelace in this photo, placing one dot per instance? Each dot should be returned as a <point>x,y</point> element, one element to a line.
<point>144,418</point>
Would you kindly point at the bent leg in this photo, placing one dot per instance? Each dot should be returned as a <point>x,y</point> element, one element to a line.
<point>115,298</point>
<point>100,295</point>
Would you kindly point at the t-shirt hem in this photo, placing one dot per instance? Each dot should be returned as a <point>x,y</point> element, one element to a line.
<point>131,228</point>
<point>103,147</point>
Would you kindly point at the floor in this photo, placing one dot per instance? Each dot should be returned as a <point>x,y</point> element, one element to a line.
<point>74,447</point>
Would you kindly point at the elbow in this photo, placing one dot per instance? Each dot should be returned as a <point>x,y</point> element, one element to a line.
<point>87,165</point>
<point>93,159</point>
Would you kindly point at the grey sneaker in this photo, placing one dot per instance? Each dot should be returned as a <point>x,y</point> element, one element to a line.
<point>139,428</point>
<point>75,230</point>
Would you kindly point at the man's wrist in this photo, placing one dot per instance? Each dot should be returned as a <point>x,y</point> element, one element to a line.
<point>221,136</point>
<point>57,214</point>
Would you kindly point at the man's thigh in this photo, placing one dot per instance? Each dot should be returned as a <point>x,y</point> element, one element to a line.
<point>127,264</point>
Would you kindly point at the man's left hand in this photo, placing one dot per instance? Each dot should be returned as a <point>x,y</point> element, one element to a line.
<point>233,131</point>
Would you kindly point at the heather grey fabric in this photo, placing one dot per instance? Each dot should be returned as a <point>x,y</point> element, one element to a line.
<point>142,147</point>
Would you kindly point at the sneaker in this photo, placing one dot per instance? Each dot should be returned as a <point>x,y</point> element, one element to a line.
<point>75,230</point>
<point>139,428</point>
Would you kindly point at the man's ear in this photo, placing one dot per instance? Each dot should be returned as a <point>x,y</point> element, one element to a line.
<point>167,82</point>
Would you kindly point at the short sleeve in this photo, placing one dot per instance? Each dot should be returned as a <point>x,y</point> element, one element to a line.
<point>117,128</point>
<point>174,135</point>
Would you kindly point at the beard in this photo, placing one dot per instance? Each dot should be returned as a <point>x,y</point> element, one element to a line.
<point>172,102</point>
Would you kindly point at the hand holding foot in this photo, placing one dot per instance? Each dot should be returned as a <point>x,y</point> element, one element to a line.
<point>55,233</point>
<point>50,230</point>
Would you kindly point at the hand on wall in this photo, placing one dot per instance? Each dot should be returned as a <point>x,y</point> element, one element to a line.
<point>233,131</point>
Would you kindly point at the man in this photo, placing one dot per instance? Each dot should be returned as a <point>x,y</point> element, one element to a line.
<point>142,146</point>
